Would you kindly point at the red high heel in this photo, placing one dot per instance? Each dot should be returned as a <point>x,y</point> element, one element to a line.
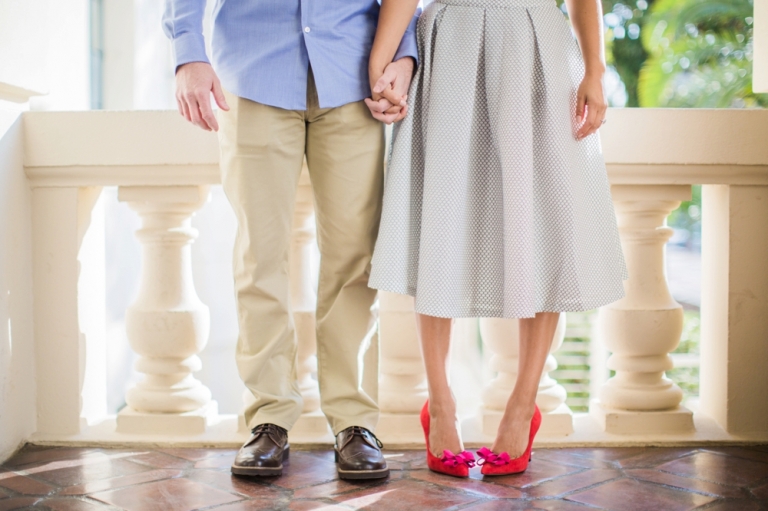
<point>500,464</point>
<point>456,465</point>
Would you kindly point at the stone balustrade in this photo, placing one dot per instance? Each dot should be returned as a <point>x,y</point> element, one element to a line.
<point>163,167</point>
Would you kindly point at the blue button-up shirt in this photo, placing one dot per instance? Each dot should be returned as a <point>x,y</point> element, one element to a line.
<point>262,49</point>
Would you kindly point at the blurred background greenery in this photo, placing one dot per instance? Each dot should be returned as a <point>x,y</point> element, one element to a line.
<point>680,53</point>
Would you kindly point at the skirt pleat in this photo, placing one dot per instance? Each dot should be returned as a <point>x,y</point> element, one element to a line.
<point>491,207</point>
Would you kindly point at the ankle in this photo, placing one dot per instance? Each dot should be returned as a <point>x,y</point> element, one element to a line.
<point>442,405</point>
<point>518,413</point>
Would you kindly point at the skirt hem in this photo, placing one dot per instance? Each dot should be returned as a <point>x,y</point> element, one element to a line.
<point>497,312</point>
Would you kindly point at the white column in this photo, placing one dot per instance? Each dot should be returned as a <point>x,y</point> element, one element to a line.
<point>643,327</point>
<point>312,425</point>
<point>167,325</point>
<point>502,338</point>
<point>760,60</point>
<point>734,308</point>
<point>60,219</point>
<point>402,380</point>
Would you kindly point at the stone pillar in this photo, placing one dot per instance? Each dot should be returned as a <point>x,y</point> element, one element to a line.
<point>760,60</point>
<point>502,338</point>
<point>167,325</point>
<point>60,219</point>
<point>402,380</point>
<point>641,329</point>
<point>734,308</point>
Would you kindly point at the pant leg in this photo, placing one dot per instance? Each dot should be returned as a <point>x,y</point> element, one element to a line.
<point>262,152</point>
<point>345,155</point>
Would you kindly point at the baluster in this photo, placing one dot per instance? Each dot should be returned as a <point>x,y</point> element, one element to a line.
<point>402,380</point>
<point>502,338</point>
<point>167,325</point>
<point>643,327</point>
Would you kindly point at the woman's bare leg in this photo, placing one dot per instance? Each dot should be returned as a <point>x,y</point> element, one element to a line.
<point>535,341</point>
<point>435,337</point>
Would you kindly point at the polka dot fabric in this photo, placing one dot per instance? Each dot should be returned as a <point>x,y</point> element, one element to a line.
<point>492,208</point>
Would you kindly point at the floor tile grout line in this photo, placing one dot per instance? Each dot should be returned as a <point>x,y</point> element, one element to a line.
<point>678,488</point>
<point>564,495</point>
<point>694,478</point>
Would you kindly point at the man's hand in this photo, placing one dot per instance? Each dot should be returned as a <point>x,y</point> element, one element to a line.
<point>390,91</point>
<point>195,82</point>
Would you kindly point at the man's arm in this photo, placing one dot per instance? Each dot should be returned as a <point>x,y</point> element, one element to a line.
<point>195,78</point>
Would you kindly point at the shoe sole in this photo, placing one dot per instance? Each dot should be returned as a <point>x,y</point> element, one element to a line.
<point>363,474</point>
<point>262,471</point>
<point>359,474</point>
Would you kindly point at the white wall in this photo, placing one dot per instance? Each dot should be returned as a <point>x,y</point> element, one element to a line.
<point>17,356</point>
<point>45,47</point>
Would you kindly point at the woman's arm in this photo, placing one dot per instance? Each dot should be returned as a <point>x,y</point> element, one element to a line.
<point>394,18</point>
<point>586,17</point>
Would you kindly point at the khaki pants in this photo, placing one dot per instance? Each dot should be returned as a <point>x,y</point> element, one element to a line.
<point>262,153</point>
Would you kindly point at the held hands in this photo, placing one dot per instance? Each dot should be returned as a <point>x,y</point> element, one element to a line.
<point>389,91</point>
<point>195,82</point>
<point>590,105</point>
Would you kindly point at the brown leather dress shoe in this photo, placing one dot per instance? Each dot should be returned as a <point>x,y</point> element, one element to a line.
<point>358,453</point>
<point>264,453</point>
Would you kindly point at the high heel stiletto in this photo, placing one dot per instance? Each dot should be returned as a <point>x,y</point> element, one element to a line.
<point>501,464</point>
<point>456,465</point>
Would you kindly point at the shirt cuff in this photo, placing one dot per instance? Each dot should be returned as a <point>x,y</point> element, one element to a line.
<point>189,47</point>
<point>408,46</point>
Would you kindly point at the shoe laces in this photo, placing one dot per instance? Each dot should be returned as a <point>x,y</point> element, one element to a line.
<point>363,433</point>
<point>273,431</point>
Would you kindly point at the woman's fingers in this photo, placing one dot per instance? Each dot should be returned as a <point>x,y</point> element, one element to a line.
<point>593,119</point>
<point>382,110</point>
<point>391,96</point>
<point>402,114</point>
<point>581,102</point>
<point>385,81</point>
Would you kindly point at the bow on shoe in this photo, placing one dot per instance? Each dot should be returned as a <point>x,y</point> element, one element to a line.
<point>488,456</point>
<point>453,460</point>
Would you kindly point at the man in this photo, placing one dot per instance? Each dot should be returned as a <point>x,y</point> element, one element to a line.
<point>294,74</point>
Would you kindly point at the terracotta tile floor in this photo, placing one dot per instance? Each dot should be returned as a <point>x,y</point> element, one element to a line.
<point>631,479</point>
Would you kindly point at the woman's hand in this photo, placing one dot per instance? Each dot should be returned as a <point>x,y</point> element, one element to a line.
<point>590,105</point>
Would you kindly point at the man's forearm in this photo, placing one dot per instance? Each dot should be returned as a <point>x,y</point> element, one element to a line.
<point>183,24</point>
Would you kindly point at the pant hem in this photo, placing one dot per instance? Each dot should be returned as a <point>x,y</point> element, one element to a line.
<point>257,422</point>
<point>362,424</point>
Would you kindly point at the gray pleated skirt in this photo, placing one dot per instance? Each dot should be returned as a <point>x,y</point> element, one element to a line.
<point>492,208</point>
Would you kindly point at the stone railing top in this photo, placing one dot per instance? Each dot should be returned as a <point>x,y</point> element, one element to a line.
<point>642,146</point>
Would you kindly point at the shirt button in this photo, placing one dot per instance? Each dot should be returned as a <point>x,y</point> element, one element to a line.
<point>307,30</point>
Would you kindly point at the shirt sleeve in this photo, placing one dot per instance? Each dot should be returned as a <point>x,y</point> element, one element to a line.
<point>183,24</point>
<point>408,46</point>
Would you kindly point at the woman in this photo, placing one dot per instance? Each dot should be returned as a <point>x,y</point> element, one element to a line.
<point>497,202</point>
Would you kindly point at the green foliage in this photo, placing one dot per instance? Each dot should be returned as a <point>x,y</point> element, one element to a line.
<point>624,23</point>
<point>700,55</point>
<point>688,215</point>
